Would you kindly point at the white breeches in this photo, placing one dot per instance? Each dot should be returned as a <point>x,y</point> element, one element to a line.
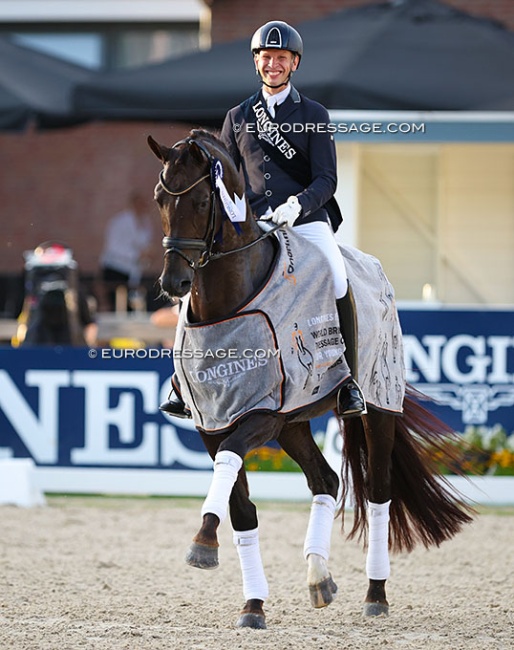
<point>322,235</point>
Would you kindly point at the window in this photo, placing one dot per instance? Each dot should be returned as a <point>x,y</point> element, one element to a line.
<point>113,46</point>
<point>84,49</point>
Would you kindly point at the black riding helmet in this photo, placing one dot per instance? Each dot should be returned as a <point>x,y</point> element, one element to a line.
<point>277,35</point>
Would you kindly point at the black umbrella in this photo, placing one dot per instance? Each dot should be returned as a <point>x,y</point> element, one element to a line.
<point>14,114</point>
<point>196,88</point>
<point>411,55</point>
<point>36,87</point>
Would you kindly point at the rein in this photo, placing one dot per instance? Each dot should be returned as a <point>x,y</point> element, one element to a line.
<point>179,244</point>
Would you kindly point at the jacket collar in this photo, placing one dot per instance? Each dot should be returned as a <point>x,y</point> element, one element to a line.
<point>295,95</point>
<point>291,104</point>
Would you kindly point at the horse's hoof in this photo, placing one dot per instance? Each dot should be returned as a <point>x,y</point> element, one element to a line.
<point>323,593</point>
<point>255,621</point>
<point>202,557</point>
<point>375,609</point>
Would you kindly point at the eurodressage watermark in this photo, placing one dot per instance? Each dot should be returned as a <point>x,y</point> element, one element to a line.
<point>332,127</point>
<point>109,354</point>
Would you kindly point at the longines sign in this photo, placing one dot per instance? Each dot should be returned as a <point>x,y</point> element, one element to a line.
<point>465,361</point>
<point>67,408</point>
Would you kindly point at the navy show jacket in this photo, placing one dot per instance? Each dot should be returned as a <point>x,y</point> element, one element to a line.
<point>267,184</point>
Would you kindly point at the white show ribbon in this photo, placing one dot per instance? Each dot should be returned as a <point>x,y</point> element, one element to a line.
<point>236,208</point>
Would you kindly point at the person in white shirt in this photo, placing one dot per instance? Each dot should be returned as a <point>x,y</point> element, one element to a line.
<point>127,237</point>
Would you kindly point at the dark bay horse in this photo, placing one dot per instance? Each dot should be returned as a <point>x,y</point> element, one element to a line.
<point>388,465</point>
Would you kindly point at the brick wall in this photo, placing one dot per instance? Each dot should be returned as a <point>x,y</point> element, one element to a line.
<point>232,19</point>
<point>500,10</point>
<point>65,184</point>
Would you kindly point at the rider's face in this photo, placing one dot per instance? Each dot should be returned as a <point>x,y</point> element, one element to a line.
<point>275,66</point>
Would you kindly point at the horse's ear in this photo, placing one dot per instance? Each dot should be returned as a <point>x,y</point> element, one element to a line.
<point>159,150</point>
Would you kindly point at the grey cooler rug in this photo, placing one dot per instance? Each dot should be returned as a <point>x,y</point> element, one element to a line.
<point>282,351</point>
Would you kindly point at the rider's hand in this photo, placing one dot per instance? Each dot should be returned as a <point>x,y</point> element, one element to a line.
<point>288,212</point>
<point>266,216</point>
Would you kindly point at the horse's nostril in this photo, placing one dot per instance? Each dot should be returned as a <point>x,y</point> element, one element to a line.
<point>182,288</point>
<point>177,288</point>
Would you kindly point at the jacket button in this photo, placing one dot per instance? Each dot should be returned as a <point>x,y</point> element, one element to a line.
<point>267,175</point>
<point>267,158</point>
<point>268,192</point>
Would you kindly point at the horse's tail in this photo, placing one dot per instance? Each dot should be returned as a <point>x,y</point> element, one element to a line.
<point>424,506</point>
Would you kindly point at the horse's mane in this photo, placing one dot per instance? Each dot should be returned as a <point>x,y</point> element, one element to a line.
<point>204,134</point>
<point>215,140</point>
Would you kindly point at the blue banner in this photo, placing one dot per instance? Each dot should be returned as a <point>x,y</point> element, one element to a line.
<point>464,359</point>
<point>75,407</point>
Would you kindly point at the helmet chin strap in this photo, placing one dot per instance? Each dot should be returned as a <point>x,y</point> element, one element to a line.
<point>279,85</point>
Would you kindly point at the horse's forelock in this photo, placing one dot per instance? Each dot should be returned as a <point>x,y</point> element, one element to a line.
<point>182,156</point>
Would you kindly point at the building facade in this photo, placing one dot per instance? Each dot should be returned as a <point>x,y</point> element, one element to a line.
<point>438,212</point>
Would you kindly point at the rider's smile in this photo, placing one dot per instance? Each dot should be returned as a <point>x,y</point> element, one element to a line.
<point>275,67</point>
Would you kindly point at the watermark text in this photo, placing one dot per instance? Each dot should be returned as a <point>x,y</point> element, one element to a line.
<point>332,127</point>
<point>107,354</point>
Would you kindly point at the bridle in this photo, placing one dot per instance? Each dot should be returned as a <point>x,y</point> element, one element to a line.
<point>206,243</point>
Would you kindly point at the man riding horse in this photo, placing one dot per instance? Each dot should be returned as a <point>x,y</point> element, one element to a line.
<point>273,292</point>
<point>290,173</point>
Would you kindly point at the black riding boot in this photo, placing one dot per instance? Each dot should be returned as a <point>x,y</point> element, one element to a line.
<point>347,312</point>
<point>350,400</point>
<point>175,405</point>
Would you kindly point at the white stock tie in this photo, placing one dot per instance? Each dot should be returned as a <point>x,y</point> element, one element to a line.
<point>271,101</point>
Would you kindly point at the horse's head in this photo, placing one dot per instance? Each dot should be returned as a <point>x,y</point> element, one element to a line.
<point>191,217</point>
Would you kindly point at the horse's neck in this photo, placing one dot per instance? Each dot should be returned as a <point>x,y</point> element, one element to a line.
<point>225,284</point>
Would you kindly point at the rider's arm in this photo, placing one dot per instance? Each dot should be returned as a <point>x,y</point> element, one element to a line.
<point>322,156</point>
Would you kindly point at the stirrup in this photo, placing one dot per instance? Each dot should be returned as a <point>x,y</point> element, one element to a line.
<point>350,400</point>
<point>174,405</point>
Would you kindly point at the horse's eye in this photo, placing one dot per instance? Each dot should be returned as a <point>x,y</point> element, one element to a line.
<point>202,204</point>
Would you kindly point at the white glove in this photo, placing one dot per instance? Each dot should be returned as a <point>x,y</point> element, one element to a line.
<point>287,213</point>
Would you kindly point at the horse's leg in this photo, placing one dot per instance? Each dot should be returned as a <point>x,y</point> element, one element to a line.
<point>297,441</point>
<point>243,516</point>
<point>229,487</point>
<point>379,433</point>
<point>203,552</point>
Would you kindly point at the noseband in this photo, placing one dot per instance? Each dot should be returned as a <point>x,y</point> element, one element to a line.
<point>205,245</point>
